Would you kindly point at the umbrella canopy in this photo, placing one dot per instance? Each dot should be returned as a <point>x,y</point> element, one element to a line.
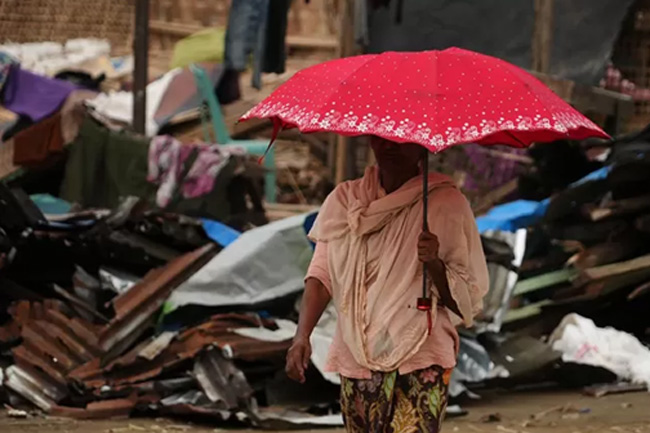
<point>434,98</point>
<point>437,99</point>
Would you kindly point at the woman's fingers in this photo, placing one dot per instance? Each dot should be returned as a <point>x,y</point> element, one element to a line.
<point>295,370</point>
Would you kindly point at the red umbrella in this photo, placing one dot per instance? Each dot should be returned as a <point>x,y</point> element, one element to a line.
<point>433,98</point>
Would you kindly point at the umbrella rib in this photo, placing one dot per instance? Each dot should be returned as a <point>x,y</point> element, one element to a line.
<point>510,133</point>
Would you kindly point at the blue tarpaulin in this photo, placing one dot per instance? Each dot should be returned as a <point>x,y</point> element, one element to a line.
<point>519,214</point>
<point>50,205</point>
<point>512,216</point>
<point>219,232</point>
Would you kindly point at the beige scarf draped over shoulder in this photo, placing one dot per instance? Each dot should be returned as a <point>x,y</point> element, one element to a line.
<point>378,317</point>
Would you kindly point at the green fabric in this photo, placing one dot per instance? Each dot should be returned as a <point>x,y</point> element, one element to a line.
<point>104,165</point>
<point>204,46</point>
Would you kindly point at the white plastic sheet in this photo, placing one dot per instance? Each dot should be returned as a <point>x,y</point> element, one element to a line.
<point>118,106</point>
<point>581,341</point>
<point>263,264</point>
<point>321,339</point>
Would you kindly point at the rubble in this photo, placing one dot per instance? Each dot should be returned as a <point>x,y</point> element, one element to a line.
<point>111,307</point>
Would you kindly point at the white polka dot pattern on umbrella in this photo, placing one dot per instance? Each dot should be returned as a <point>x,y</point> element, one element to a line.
<point>434,98</point>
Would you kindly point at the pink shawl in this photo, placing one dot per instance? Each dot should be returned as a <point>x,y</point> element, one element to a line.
<point>376,301</point>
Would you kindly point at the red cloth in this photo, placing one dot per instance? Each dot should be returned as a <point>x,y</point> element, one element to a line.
<point>434,98</point>
<point>36,144</point>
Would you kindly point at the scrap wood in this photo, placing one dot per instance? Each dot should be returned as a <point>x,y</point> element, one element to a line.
<point>495,196</point>
<point>606,286</point>
<point>642,224</point>
<point>617,208</point>
<point>606,253</point>
<point>547,280</point>
<point>278,211</point>
<point>526,312</point>
<point>616,388</point>
<point>642,290</point>
<point>606,271</point>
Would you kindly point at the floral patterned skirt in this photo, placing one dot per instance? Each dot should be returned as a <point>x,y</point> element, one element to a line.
<point>391,403</point>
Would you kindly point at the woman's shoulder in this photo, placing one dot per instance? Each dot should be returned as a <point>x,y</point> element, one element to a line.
<point>343,189</point>
<point>450,197</point>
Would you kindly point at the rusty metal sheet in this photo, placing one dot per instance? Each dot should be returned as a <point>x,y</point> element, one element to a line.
<point>160,388</point>
<point>83,308</point>
<point>28,387</point>
<point>137,305</point>
<point>217,331</point>
<point>80,353</point>
<point>37,338</point>
<point>75,328</point>
<point>24,356</point>
<point>157,345</point>
<point>107,409</point>
<point>86,371</point>
<point>223,383</point>
<point>50,388</point>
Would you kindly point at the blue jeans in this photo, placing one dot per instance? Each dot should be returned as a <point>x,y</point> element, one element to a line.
<point>246,35</point>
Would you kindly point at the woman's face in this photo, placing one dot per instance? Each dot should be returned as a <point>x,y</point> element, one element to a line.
<point>395,156</point>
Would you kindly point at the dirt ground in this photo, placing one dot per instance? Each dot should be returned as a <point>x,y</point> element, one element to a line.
<point>499,413</point>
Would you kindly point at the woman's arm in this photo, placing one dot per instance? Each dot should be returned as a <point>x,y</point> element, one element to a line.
<point>314,301</point>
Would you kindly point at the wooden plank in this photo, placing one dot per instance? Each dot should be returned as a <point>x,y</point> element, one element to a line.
<point>542,35</point>
<point>495,196</point>
<point>607,271</point>
<point>615,388</point>
<point>174,29</point>
<point>182,30</point>
<point>277,211</point>
<point>588,99</point>
<point>543,281</point>
<point>325,43</point>
<point>606,253</point>
<point>526,312</point>
<point>617,208</point>
<point>346,47</point>
<point>611,284</point>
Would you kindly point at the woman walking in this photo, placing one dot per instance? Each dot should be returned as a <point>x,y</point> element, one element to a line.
<point>394,361</point>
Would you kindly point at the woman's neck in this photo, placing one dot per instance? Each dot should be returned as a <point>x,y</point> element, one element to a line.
<point>393,180</point>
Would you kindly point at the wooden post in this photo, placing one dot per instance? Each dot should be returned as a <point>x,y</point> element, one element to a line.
<point>141,69</point>
<point>542,35</point>
<point>344,146</point>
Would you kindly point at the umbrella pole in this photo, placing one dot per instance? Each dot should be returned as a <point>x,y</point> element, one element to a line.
<point>425,213</point>
<point>425,303</point>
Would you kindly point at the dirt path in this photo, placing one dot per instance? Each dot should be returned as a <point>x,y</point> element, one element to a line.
<point>510,413</point>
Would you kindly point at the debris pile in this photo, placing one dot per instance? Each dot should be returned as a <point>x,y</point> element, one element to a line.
<point>577,272</point>
<point>87,332</point>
